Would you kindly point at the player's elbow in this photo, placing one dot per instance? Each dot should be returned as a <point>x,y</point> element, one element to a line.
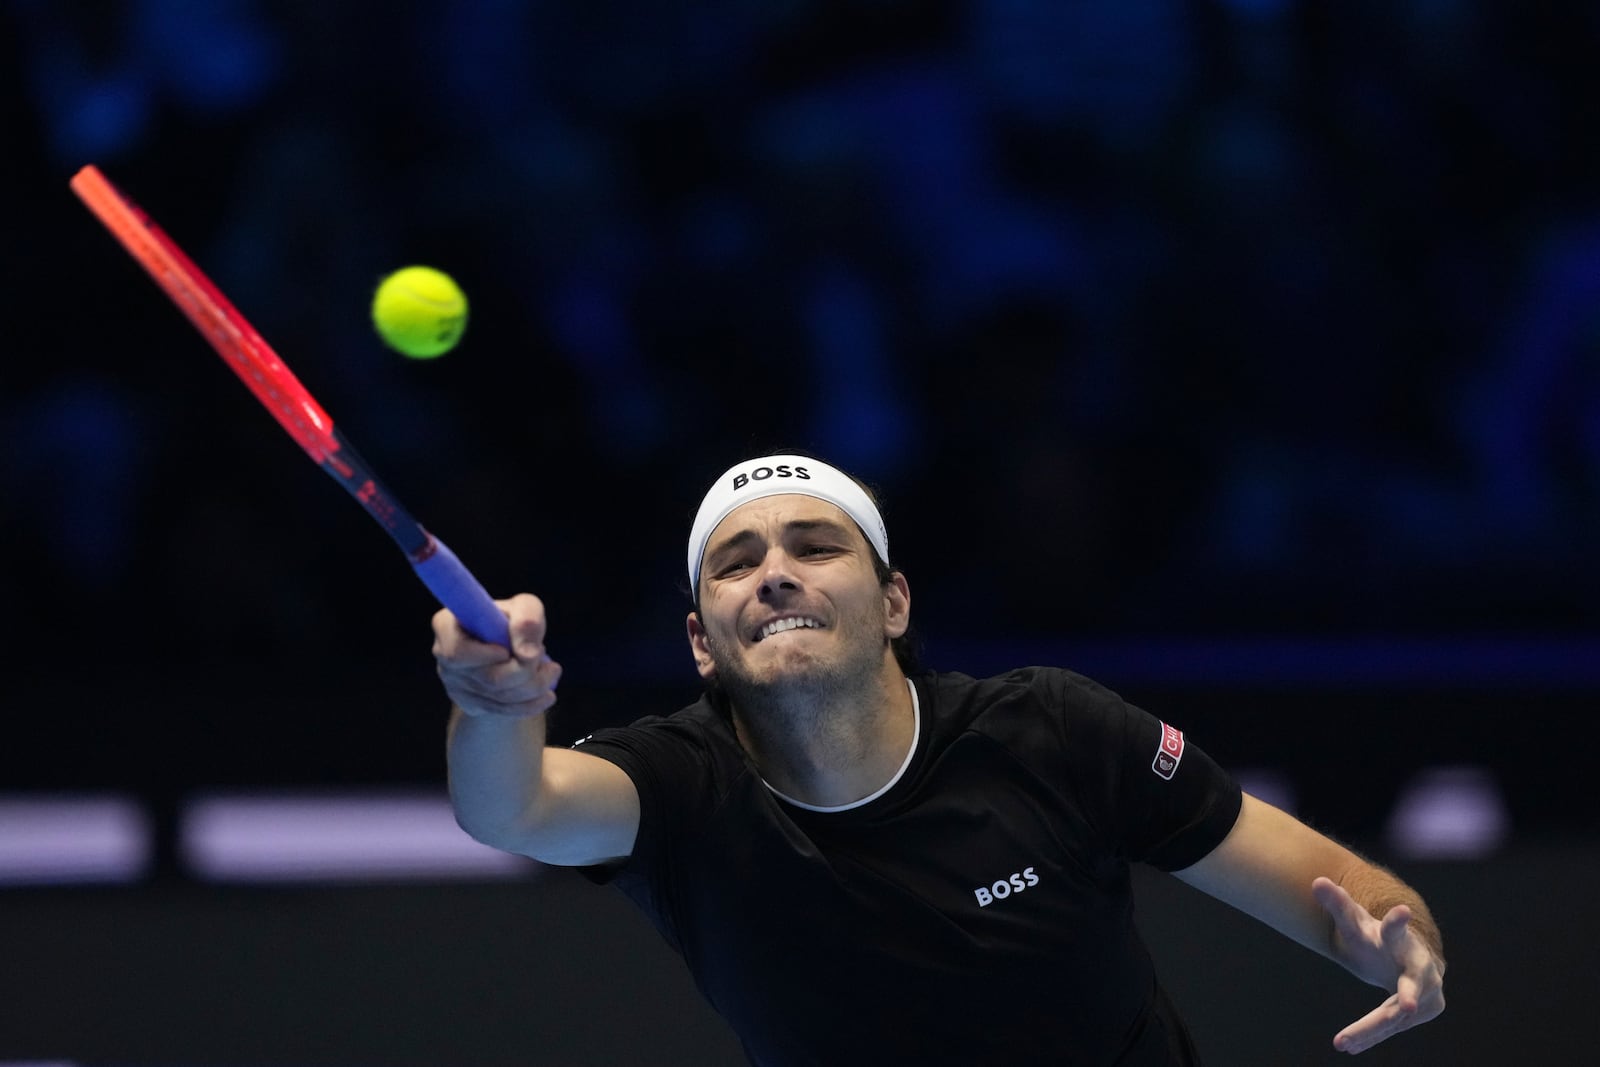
<point>506,831</point>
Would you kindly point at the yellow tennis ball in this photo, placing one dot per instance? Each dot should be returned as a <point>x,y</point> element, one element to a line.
<point>419,312</point>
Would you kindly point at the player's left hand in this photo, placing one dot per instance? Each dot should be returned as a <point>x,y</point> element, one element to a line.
<point>1388,954</point>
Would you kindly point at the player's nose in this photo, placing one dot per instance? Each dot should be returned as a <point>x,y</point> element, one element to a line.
<point>778,573</point>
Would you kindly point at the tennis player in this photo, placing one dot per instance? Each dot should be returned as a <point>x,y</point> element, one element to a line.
<point>862,862</point>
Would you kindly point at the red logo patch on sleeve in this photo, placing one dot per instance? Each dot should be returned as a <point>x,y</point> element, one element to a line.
<point>1169,753</point>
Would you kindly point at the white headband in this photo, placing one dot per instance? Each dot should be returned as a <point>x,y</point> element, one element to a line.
<point>772,476</point>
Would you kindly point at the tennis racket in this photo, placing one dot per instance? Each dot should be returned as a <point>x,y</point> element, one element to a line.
<point>296,410</point>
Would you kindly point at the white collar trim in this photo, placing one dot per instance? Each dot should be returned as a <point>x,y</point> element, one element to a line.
<point>916,734</point>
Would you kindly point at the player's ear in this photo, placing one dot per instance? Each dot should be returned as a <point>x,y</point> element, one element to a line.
<point>897,606</point>
<point>698,646</point>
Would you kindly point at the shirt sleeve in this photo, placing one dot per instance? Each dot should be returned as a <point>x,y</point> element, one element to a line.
<point>1155,794</point>
<point>672,770</point>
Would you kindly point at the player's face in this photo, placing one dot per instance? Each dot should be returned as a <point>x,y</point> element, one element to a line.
<point>788,592</point>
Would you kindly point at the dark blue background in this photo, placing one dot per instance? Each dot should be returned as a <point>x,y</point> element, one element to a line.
<point>1243,355</point>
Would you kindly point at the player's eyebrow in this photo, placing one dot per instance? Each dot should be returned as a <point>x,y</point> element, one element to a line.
<point>740,538</point>
<point>729,543</point>
<point>826,526</point>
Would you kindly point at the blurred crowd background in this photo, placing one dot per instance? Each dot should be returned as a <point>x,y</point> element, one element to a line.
<point>1262,329</point>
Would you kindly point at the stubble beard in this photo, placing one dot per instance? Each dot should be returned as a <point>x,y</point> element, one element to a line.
<point>802,698</point>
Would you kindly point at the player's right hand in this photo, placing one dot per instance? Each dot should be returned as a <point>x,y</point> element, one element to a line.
<point>488,680</point>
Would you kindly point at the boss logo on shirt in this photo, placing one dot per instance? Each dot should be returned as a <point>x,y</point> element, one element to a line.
<point>1169,753</point>
<point>1018,882</point>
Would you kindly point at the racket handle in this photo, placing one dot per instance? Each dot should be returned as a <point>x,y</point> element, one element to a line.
<point>455,587</point>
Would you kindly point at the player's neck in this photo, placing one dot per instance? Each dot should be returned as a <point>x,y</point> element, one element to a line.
<point>834,749</point>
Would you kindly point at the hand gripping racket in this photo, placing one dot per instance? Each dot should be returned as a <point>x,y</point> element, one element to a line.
<point>296,410</point>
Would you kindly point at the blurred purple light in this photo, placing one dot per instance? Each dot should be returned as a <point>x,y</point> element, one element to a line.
<point>56,840</point>
<point>334,837</point>
<point>1449,813</point>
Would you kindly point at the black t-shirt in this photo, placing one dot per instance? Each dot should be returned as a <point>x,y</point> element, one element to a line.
<point>978,910</point>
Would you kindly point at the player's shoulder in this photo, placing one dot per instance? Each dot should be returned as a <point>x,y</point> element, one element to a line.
<point>1032,705</point>
<point>703,724</point>
<point>1058,686</point>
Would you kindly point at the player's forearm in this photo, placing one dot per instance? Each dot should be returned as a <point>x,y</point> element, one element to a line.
<point>1378,890</point>
<point>495,770</point>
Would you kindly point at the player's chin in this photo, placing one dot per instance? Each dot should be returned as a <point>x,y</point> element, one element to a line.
<point>793,644</point>
<point>783,660</point>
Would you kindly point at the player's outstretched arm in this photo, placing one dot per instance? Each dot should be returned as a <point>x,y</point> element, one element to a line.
<point>509,789</point>
<point>1319,893</point>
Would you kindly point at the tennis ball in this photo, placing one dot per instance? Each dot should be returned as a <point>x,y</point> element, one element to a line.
<point>419,312</point>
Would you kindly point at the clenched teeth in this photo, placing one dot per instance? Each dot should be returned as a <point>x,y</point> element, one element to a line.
<point>777,626</point>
